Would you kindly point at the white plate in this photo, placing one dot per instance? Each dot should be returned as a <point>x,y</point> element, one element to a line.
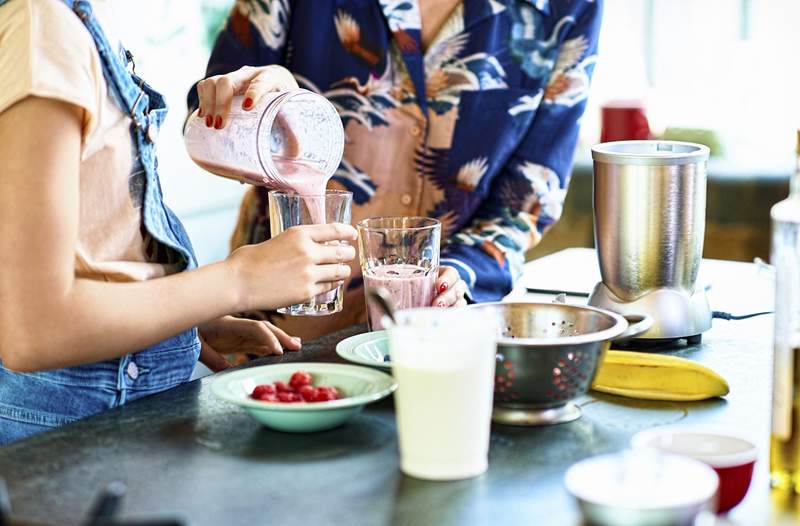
<point>365,349</point>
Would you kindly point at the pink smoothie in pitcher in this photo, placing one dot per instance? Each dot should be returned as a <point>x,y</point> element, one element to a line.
<point>409,286</point>
<point>295,177</point>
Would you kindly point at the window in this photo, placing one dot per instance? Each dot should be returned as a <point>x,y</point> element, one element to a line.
<point>171,41</point>
<point>726,65</point>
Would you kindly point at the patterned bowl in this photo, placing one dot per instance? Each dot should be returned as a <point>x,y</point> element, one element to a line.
<point>548,355</point>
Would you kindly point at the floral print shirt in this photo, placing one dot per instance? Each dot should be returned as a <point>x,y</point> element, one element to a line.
<point>477,130</point>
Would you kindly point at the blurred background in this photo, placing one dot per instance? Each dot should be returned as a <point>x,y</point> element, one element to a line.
<point>721,72</point>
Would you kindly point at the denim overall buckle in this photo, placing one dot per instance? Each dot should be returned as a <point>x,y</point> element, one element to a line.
<point>147,128</point>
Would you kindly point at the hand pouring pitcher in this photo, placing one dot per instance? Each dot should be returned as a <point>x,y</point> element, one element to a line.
<point>649,223</point>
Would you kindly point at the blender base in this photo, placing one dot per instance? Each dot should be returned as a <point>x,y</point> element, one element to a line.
<point>521,416</point>
<point>658,344</point>
<point>676,314</point>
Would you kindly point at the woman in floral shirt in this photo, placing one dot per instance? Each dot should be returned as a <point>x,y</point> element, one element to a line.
<point>467,111</point>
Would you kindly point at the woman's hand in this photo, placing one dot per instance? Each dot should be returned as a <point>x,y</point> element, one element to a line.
<point>229,335</point>
<point>216,93</point>
<point>299,264</point>
<point>450,288</point>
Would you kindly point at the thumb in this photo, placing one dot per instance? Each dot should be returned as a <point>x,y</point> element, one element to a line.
<point>212,359</point>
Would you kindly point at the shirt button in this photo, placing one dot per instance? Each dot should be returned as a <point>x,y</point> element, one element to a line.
<point>133,371</point>
<point>415,131</point>
<point>406,199</point>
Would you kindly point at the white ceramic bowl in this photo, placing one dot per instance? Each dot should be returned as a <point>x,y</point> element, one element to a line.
<point>641,488</point>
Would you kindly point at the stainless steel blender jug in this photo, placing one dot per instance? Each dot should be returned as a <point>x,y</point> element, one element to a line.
<point>649,223</point>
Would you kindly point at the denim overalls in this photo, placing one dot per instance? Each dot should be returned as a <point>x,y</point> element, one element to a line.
<point>33,402</point>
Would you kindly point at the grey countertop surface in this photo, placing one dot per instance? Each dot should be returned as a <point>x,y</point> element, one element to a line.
<point>184,453</point>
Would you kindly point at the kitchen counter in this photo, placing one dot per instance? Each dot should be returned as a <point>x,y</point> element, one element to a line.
<point>183,453</point>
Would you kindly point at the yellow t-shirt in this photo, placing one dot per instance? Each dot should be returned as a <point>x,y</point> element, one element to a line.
<point>46,51</point>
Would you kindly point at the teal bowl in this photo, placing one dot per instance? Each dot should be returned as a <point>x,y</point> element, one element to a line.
<point>358,386</point>
<point>370,349</point>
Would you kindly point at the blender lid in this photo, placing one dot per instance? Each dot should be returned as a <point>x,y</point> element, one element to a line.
<point>650,153</point>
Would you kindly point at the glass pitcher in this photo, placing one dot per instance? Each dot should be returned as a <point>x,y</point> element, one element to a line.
<point>292,140</point>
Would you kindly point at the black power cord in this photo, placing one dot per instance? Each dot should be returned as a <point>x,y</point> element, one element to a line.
<point>728,316</point>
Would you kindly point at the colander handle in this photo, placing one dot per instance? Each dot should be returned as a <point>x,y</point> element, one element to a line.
<point>638,324</point>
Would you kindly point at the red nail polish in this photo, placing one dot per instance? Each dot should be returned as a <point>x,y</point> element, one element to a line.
<point>209,121</point>
<point>248,103</point>
<point>442,288</point>
<point>218,123</point>
<point>199,112</point>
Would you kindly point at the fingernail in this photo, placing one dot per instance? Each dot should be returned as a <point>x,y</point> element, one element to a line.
<point>218,123</point>
<point>199,112</point>
<point>248,103</point>
<point>298,341</point>
<point>442,288</point>
<point>209,121</point>
<point>440,304</point>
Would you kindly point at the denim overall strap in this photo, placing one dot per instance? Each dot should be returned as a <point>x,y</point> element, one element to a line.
<point>34,402</point>
<point>147,110</point>
<point>165,237</point>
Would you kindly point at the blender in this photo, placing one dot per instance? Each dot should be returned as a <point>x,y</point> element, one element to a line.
<point>649,223</point>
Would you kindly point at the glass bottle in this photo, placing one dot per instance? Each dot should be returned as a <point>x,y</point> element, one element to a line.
<point>785,256</point>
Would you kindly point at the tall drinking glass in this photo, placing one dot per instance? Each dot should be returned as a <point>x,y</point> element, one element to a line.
<point>400,254</point>
<point>444,364</point>
<point>291,209</point>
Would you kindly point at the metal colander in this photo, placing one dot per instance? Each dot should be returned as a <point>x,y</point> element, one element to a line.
<point>548,355</point>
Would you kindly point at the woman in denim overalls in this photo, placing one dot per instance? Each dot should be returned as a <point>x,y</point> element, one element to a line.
<point>68,375</point>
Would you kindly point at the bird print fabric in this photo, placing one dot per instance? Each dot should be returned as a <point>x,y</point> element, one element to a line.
<point>478,129</point>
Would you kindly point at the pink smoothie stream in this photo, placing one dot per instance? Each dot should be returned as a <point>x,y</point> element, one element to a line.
<point>295,177</point>
<point>408,285</point>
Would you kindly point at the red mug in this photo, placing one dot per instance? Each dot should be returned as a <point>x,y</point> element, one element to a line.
<point>623,121</point>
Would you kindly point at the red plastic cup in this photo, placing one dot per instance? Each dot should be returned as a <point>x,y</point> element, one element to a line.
<point>731,456</point>
<point>623,121</point>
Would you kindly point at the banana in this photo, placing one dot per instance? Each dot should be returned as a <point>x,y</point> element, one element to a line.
<point>657,377</point>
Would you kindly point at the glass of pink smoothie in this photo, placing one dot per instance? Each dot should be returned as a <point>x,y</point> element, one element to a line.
<point>401,255</point>
<point>288,209</point>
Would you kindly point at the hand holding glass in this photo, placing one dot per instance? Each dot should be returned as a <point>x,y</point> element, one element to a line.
<point>290,209</point>
<point>400,254</point>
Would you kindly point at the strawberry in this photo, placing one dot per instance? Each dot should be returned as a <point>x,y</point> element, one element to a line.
<point>262,390</point>
<point>308,392</point>
<point>299,379</point>
<point>325,394</point>
<point>283,388</point>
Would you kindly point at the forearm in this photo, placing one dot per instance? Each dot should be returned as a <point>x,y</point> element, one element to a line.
<point>93,321</point>
<point>527,195</point>
<point>50,318</point>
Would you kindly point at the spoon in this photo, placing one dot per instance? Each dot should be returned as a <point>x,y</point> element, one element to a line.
<point>384,301</point>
